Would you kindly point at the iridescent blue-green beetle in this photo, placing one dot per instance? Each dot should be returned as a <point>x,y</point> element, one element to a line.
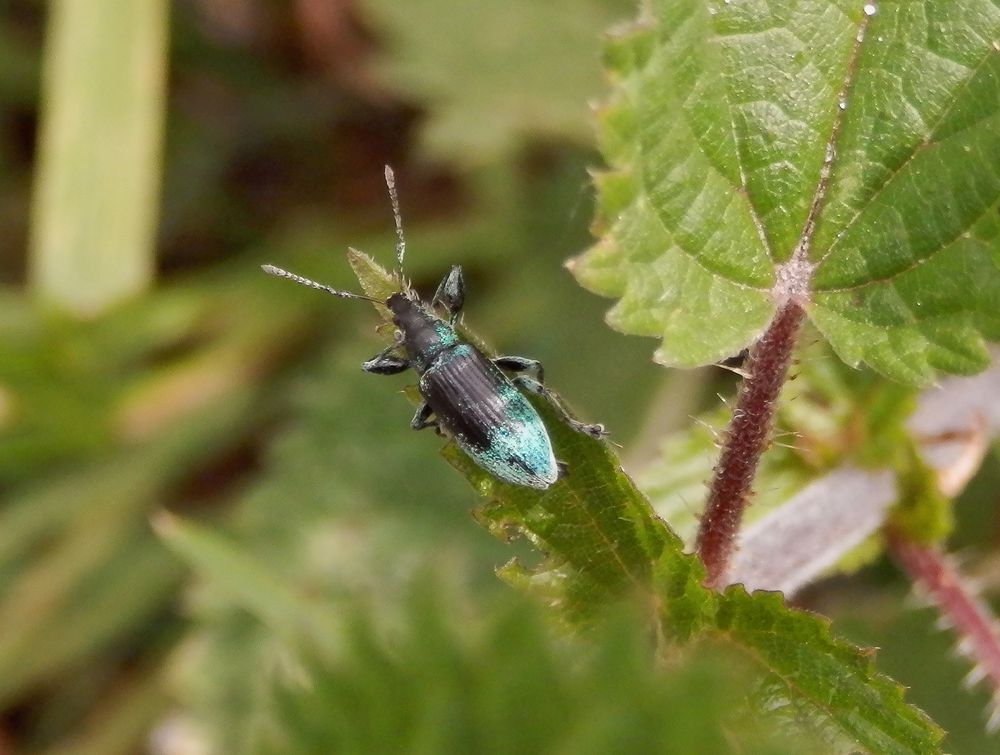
<point>465,394</point>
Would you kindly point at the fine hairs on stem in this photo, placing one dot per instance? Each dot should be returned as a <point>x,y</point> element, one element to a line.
<point>745,440</point>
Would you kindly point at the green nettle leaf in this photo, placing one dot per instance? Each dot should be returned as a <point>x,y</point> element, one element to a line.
<point>602,544</point>
<point>597,529</point>
<point>838,153</point>
<point>837,681</point>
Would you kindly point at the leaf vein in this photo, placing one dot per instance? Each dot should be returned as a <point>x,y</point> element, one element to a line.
<point>914,264</point>
<point>918,148</point>
<point>691,255</point>
<point>801,252</point>
<point>742,188</point>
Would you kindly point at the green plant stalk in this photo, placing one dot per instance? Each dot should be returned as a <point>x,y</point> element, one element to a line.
<point>95,200</point>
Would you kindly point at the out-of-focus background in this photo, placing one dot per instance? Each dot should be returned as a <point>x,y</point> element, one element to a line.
<point>152,156</point>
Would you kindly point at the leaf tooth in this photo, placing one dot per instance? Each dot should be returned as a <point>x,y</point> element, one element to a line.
<point>628,47</point>
<point>595,269</point>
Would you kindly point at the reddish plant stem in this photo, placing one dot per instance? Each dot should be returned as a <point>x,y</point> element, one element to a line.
<point>746,439</point>
<point>936,577</point>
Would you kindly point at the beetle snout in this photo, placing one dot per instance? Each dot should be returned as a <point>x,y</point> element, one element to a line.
<point>397,304</point>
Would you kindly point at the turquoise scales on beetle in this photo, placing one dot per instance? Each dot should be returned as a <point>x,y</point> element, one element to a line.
<point>488,417</point>
<point>465,394</point>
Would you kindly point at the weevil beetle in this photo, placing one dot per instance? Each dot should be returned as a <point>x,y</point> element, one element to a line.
<point>465,394</point>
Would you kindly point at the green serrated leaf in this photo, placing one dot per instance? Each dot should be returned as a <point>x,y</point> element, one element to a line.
<point>603,542</point>
<point>925,318</point>
<point>598,530</point>
<point>838,152</point>
<point>838,680</point>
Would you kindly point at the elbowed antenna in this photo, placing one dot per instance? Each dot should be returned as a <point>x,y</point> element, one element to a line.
<point>390,182</point>
<point>277,272</point>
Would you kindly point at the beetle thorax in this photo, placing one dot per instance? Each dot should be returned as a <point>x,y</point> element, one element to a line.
<point>424,334</point>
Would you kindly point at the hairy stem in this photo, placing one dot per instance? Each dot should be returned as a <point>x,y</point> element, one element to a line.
<point>746,440</point>
<point>936,578</point>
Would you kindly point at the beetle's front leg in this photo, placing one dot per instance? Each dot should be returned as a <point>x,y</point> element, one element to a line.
<point>530,384</point>
<point>422,418</point>
<point>385,363</point>
<point>521,364</point>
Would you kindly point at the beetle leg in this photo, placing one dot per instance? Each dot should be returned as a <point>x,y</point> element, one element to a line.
<point>422,418</point>
<point>521,364</point>
<point>451,292</point>
<point>530,384</point>
<point>385,363</point>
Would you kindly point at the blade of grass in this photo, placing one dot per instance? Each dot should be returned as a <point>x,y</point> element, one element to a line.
<point>95,203</point>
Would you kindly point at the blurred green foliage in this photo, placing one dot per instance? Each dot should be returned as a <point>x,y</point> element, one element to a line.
<point>229,398</point>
